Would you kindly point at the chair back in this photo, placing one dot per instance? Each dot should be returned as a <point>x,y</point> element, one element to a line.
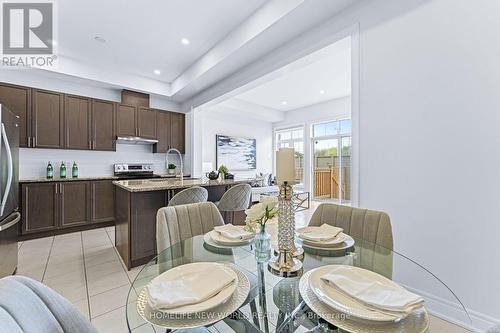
<point>190,195</point>
<point>27,305</point>
<point>495,329</point>
<point>365,224</point>
<point>177,223</point>
<point>237,198</point>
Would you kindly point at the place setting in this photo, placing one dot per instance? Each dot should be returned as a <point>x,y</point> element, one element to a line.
<point>326,238</point>
<point>229,236</point>
<point>362,301</point>
<point>193,295</point>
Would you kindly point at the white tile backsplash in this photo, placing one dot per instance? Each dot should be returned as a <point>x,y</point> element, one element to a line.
<point>33,162</point>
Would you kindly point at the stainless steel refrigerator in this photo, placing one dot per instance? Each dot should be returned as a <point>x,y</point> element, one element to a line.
<point>9,188</point>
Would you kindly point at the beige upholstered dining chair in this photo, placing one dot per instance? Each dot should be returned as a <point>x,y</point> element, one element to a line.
<point>236,199</point>
<point>190,195</point>
<point>177,223</point>
<point>369,225</point>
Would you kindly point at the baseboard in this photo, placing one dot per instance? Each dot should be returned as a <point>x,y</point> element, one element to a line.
<point>454,313</point>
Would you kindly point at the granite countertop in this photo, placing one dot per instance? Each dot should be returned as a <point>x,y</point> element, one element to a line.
<point>88,178</point>
<point>146,185</point>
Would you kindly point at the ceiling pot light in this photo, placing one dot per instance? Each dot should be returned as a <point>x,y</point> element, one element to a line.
<point>157,71</point>
<point>321,92</point>
<point>284,103</point>
<point>99,39</point>
<point>185,41</point>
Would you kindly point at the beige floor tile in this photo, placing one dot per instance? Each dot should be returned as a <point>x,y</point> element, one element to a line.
<point>98,271</point>
<point>109,301</point>
<point>63,268</point>
<point>83,307</point>
<point>71,292</point>
<point>108,282</point>
<point>439,325</point>
<point>66,257</point>
<point>35,274</point>
<point>99,255</point>
<point>111,322</point>
<point>146,328</point>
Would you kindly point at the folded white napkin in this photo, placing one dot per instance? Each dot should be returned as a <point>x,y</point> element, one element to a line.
<point>191,288</point>
<point>391,300</point>
<point>320,234</point>
<point>232,232</point>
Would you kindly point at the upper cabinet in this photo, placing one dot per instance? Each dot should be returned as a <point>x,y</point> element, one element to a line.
<point>126,120</point>
<point>146,123</point>
<point>55,120</point>
<point>170,127</point>
<point>18,100</point>
<point>136,121</point>
<point>103,125</point>
<point>177,131</point>
<point>77,117</point>
<point>47,119</point>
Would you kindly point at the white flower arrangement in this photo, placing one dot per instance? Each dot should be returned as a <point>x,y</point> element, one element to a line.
<point>260,213</point>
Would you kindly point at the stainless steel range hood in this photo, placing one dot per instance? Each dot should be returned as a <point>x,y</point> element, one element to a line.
<point>135,140</point>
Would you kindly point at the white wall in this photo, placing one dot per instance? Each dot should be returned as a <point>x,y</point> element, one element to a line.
<point>330,110</point>
<point>33,162</point>
<point>429,132</point>
<point>213,122</point>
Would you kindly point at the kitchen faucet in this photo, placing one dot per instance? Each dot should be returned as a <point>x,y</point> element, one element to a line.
<point>180,157</point>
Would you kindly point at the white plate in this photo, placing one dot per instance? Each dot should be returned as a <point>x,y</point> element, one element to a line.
<point>221,297</point>
<point>200,319</point>
<point>219,239</point>
<point>345,304</point>
<point>346,244</point>
<point>416,322</point>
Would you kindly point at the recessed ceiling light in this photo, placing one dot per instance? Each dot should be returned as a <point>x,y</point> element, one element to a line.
<point>99,39</point>
<point>321,92</point>
<point>185,41</point>
<point>284,103</point>
<point>53,42</point>
<point>157,72</point>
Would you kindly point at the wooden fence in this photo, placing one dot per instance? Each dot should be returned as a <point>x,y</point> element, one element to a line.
<point>326,182</point>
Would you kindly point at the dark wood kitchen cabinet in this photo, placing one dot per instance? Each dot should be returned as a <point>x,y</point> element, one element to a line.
<point>177,131</point>
<point>40,207</point>
<point>77,116</point>
<point>170,129</point>
<point>50,208</point>
<point>103,125</point>
<point>146,123</point>
<point>18,100</point>
<point>162,131</point>
<point>103,201</point>
<point>126,120</point>
<point>74,203</point>
<point>47,119</point>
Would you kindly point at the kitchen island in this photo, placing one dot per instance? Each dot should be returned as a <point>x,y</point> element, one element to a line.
<point>136,205</point>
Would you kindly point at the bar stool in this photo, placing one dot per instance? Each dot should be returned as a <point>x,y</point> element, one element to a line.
<point>190,195</point>
<point>236,199</point>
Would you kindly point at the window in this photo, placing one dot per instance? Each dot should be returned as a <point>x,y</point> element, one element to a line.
<point>293,138</point>
<point>332,160</point>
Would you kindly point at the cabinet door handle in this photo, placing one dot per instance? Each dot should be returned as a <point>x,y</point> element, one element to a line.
<point>57,187</point>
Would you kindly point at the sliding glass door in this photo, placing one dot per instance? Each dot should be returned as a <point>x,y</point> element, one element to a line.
<point>331,143</point>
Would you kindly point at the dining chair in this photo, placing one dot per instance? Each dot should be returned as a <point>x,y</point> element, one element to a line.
<point>371,226</point>
<point>236,199</point>
<point>190,195</point>
<point>178,223</point>
<point>27,305</point>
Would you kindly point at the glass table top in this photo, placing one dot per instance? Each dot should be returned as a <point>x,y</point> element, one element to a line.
<point>275,304</point>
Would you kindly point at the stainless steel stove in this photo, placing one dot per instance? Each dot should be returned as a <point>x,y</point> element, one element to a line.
<point>134,170</point>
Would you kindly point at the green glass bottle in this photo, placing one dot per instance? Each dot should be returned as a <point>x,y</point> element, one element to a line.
<point>62,170</point>
<point>50,171</point>
<point>74,170</point>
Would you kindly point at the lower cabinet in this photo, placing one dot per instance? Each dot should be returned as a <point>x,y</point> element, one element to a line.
<point>54,206</point>
<point>40,207</point>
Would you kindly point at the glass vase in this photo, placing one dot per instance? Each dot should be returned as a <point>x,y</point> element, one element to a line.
<point>262,245</point>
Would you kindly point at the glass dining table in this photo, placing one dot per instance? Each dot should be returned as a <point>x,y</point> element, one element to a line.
<point>275,304</point>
